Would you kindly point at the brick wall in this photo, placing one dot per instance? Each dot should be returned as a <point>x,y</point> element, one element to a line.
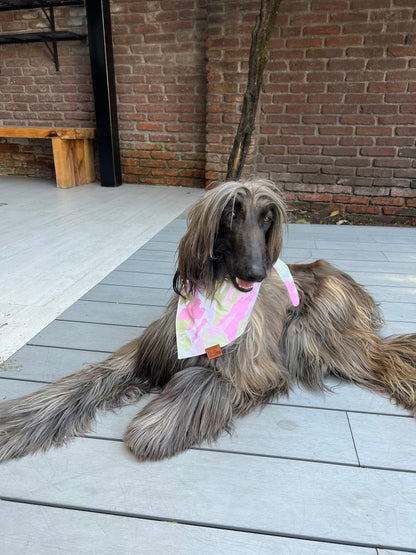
<point>160,79</point>
<point>337,122</point>
<point>161,84</point>
<point>33,93</point>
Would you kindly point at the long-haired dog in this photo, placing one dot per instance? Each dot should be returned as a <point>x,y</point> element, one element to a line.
<point>234,235</point>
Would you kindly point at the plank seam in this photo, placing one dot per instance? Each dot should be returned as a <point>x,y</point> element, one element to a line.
<point>201,524</point>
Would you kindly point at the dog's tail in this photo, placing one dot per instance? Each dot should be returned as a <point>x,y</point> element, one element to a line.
<point>396,369</point>
<point>66,408</point>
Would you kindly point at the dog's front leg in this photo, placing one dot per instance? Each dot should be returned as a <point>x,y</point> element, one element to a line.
<point>194,406</point>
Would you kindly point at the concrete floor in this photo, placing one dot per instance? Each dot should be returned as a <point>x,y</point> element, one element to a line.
<point>55,244</point>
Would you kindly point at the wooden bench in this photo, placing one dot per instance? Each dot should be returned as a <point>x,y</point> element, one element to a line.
<point>73,152</point>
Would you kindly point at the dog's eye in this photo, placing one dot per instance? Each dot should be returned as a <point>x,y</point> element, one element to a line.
<point>267,219</point>
<point>231,215</point>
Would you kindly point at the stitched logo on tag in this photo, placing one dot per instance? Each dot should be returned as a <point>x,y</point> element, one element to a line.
<point>214,352</point>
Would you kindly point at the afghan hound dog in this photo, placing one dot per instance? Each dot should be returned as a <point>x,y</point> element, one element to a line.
<point>240,330</point>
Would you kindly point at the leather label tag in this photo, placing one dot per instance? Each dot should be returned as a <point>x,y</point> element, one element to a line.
<point>214,352</point>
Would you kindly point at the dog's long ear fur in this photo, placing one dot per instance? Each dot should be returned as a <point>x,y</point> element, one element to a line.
<point>196,259</point>
<point>275,234</point>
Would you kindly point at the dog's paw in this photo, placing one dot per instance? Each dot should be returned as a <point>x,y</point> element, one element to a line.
<point>194,407</point>
<point>153,439</point>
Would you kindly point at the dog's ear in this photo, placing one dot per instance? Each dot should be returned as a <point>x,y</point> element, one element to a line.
<point>195,253</point>
<point>274,236</point>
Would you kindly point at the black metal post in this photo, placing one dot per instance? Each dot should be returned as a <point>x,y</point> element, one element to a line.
<point>102,71</point>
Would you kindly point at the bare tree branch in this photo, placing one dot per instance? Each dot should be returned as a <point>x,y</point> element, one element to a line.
<point>257,62</point>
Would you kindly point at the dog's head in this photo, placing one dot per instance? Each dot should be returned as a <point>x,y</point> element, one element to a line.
<point>234,232</point>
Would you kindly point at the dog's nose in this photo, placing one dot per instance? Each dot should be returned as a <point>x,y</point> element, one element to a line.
<point>256,272</point>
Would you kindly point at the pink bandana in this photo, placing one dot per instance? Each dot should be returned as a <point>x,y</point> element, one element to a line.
<point>202,323</point>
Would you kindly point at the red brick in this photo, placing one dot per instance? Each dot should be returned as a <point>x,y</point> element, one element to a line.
<point>296,130</point>
<point>335,130</point>
<point>338,171</point>
<point>296,186</point>
<point>339,109</point>
<point>163,155</point>
<point>329,52</point>
<point>357,120</point>
<point>308,18</point>
<point>359,209</point>
<point>327,76</point>
<point>397,120</point>
<point>389,163</point>
<point>368,76</point>
<point>406,193</point>
<point>304,43</point>
<point>387,201</point>
<point>325,98</point>
<point>357,17</point>
<point>340,151</point>
<point>402,51</point>
<point>319,140</point>
<point>346,87</point>
<point>407,131</point>
<point>315,197</point>
<point>374,131</point>
<point>363,28</point>
<point>321,30</point>
<point>348,40</point>
<point>347,199</point>
<point>378,151</point>
<point>366,52</point>
<point>391,211</point>
<point>387,87</point>
<point>369,4</point>
<point>329,5</point>
<point>408,108</point>
<point>356,141</point>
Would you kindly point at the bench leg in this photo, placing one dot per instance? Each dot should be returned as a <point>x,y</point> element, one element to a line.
<point>74,162</point>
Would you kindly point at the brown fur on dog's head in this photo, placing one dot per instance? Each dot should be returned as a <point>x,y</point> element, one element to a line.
<point>198,260</point>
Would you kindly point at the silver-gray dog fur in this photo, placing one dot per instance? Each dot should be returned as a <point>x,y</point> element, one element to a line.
<point>235,233</point>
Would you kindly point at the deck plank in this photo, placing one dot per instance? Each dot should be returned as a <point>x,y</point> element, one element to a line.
<point>112,313</point>
<point>399,312</point>
<point>36,529</point>
<point>393,294</point>
<point>85,336</point>
<point>391,279</point>
<point>127,294</point>
<point>279,431</point>
<point>161,246</point>
<point>384,441</point>
<point>343,396</point>
<point>392,328</point>
<point>147,266</point>
<point>401,246</point>
<point>153,256</point>
<point>337,256</point>
<point>348,504</point>
<point>133,279</point>
<point>46,364</point>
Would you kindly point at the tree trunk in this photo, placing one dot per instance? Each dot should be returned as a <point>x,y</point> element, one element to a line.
<point>257,61</point>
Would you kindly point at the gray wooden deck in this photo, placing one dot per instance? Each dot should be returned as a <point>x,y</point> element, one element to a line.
<point>330,473</point>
